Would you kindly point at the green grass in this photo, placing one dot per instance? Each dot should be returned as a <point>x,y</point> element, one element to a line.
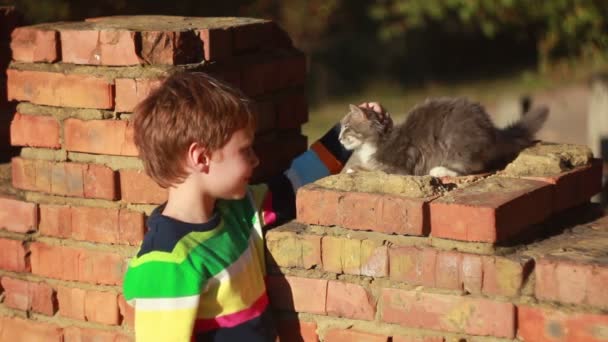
<point>398,100</point>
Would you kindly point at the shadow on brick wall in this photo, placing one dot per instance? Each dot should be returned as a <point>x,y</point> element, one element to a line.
<point>9,20</point>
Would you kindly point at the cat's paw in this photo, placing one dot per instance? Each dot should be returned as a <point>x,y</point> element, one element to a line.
<point>440,171</point>
<point>350,171</point>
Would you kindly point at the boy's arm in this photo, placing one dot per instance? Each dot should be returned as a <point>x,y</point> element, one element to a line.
<point>165,296</point>
<point>326,156</point>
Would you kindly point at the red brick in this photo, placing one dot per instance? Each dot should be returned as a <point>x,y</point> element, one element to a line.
<point>57,89</point>
<point>95,224</point>
<point>545,325</point>
<point>16,293</point>
<point>181,47</point>
<point>33,44</point>
<point>69,179</point>
<point>403,215</point>
<point>570,282</point>
<point>18,216</point>
<point>76,264</point>
<point>448,270</point>
<point>259,77</point>
<point>59,180</point>
<point>23,173</point>
<point>362,211</point>
<point>359,210</point>
<point>374,259</point>
<point>80,46</point>
<point>44,299</point>
<point>266,117</point>
<point>71,302</point>
<point>100,182</point>
<point>131,227</point>
<point>126,311</point>
<point>456,314</point>
<point>97,136</point>
<point>340,335</point>
<point>102,307</point>
<point>71,182</point>
<point>24,295</point>
<point>413,265</point>
<point>230,76</point>
<point>251,36</point>
<point>17,329</point>
<point>14,256</point>
<point>296,330</point>
<point>129,92</point>
<point>471,273</point>
<point>418,339</point>
<point>55,221</point>
<point>137,187</point>
<point>77,334</point>
<point>317,205</point>
<point>43,175</point>
<point>350,301</point>
<point>576,186</point>
<point>292,111</point>
<point>105,47</point>
<point>35,130</point>
<point>118,47</point>
<point>217,43</point>
<point>298,294</point>
<point>503,276</point>
<point>106,225</point>
<point>596,287</point>
<point>292,71</point>
<point>492,210</point>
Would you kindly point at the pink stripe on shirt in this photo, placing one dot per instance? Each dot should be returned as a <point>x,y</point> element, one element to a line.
<point>231,320</point>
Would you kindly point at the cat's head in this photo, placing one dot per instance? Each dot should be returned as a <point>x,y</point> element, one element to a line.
<point>363,125</point>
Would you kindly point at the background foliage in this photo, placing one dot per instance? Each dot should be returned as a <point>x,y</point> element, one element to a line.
<point>352,43</point>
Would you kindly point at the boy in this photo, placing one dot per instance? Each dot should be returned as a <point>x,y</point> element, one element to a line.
<point>199,274</point>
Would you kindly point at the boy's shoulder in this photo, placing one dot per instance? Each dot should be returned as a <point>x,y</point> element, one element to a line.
<point>165,233</point>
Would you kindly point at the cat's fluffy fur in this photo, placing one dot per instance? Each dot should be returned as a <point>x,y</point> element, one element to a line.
<point>440,137</point>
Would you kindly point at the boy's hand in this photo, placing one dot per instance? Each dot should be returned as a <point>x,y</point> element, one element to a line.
<point>385,117</point>
<point>375,106</point>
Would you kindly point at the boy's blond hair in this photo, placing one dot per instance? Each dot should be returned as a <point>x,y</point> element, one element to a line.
<point>188,107</point>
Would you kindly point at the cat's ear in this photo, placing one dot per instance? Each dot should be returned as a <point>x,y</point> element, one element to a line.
<point>355,109</point>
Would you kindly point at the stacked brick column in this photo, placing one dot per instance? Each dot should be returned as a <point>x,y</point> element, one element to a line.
<point>65,241</point>
<point>376,257</point>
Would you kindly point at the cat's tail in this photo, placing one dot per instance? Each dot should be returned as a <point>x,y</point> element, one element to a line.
<point>519,135</point>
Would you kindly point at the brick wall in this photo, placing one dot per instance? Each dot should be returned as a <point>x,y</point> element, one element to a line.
<point>518,255</point>
<point>82,197</point>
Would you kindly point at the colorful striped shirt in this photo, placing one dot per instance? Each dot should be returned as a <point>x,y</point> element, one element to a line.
<point>206,282</point>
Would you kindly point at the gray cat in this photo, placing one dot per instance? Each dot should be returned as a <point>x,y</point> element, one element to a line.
<point>440,137</point>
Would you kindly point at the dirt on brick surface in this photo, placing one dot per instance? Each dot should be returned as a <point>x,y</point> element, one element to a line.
<point>548,159</point>
<point>152,23</point>
<point>381,182</point>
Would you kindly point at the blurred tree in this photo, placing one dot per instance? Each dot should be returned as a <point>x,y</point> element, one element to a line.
<point>574,28</point>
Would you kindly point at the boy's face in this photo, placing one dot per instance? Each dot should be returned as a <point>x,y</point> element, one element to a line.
<point>231,166</point>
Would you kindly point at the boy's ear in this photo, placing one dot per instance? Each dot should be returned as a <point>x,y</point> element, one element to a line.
<point>198,157</point>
